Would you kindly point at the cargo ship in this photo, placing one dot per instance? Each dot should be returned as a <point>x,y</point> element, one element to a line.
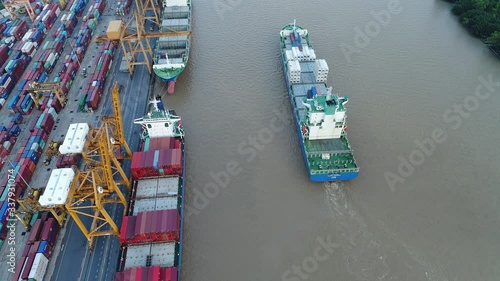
<point>172,52</point>
<point>151,233</point>
<point>319,114</point>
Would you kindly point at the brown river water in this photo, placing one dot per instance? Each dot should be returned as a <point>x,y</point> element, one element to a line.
<point>423,121</point>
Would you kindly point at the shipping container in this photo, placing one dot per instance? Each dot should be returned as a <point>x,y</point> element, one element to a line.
<point>27,266</point>
<point>35,232</point>
<point>19,268</point>
<point>39,267</point>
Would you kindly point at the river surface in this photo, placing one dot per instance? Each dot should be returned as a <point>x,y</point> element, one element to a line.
<point>435,219</point>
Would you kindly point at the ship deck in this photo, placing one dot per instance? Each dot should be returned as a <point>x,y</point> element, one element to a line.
<point>341,158</point>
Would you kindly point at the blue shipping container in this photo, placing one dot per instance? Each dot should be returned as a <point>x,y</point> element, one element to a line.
<point>4,211</point>
<point>22,84</point>
<point>44,246</point>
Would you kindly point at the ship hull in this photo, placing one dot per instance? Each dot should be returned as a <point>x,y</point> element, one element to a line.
<point>172,52</point>
<point>315,176</point>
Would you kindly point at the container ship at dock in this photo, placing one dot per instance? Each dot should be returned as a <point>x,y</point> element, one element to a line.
<point>320,115</point>
<point>151,233</point>
<point>172,52</point>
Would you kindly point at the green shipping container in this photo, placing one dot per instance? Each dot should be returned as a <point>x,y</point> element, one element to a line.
<point>146,145</point>
<point>42,144</point>
<point>39,122</point>
<point>34,218</point>
<point>4,194</point>
<point>81,104</point>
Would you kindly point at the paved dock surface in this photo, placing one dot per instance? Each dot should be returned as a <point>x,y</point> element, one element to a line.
<point>71,259</point>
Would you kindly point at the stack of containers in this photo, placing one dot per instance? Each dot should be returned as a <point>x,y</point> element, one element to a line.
<point>151,230</point>
<point>4,53</point>
<point>14,28</point>
<point>152,226</point>
<point>152,273</point>
<point>95,11</point>
<point>66,161</point>
<point>156,163</point>
<point>38,249</point>
<point>93,89</point>
<point>68,23</point>
<point>123,7</point>
<point>78,6</point>
<point>47,17</point>
<point>53,50</point>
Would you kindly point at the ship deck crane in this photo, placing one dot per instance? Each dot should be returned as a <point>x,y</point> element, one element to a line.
<point>36,91</point>
<point>92,190</point>
<point>133,38</point>
<point>9,6</point>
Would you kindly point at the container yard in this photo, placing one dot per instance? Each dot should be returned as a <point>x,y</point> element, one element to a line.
<point>54,79</point>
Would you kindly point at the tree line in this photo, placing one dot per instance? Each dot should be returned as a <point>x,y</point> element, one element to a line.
<point>481,18</point>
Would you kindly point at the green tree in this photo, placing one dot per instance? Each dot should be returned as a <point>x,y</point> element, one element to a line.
<point>494,39</point>
<point>480,23</point>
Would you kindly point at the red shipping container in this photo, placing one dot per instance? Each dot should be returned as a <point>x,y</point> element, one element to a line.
<point>123,230</point>
<point>169,274</point>
<point>49,227</point>
<point>34,248</point>
<point>56,105</point>
<point>26,250</point>
<point>95,99</point>
<point>35,231</point>
<point>27,266</point>
<point>154,273</point>
<point>120,276</point>
<point>19,268</point>
<point>59,163</point>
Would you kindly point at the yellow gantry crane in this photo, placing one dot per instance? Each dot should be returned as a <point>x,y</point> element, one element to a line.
<point>9,6</point>
<point>133,38</point>
<point>36,91</point>
<point>99,186</point>
<point>28,205</point>
<point>96,187</point>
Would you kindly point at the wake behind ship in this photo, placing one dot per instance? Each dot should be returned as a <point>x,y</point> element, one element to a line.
<point>320,115</point>
<point>172,52</point>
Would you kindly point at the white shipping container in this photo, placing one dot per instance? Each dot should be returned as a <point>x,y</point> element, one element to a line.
<point>34,146</point>
<point>51,58</point>
<point>162,254</point>
<point>39,267</point>
<point>137,255</point>
<point>155,204</point>
<point>7,82</point>
<point>58,11</point>
<point>52,111</point>
<point>44,18</point>
<point>75,138</point>
<point>7,144</point>
<point>27,35</point>
<point>57,189</point>
<point>160,187</point>
<point>2,101</point>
